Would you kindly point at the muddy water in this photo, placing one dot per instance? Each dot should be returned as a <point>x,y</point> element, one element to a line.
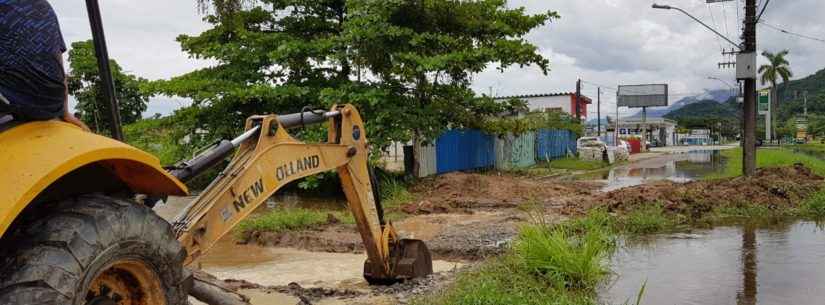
<point>677,167</point>
<point>776,264</point>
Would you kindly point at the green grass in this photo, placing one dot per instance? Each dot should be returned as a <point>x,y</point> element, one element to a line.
<point>563,259</point>
<point>814,207</point>
<point>767,157</point>
<point>547,264</point>
<point>281,220</point>
<point>576,164</point>
<point>812,148</point>
<point>503,280</point>
<point>648,219</point>
<point>394,193</point>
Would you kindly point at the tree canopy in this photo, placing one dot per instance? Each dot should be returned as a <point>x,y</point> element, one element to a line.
<point>407,65</point>
<point>85,85</point>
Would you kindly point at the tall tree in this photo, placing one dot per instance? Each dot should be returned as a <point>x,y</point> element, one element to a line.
<point>85,85</point>
<point>778,68</point>
<point>406,64</point>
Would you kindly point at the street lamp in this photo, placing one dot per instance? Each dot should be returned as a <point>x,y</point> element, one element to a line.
<point>734,89</point>
<point>668,7</point>
<point>723,81</point>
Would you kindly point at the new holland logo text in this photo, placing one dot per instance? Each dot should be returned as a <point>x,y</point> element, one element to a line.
<point>294,167</point>
<point>249,195</point>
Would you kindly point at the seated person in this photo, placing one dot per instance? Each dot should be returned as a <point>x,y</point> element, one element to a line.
<point>32,79</point>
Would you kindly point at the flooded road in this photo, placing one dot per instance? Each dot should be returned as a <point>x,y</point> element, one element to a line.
<point>677,167</point>
<point>776,264</point>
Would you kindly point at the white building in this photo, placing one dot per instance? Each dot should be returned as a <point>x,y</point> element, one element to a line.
<point>565,102</point>
<point>662,131</point>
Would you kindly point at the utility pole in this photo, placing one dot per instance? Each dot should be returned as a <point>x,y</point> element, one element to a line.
<point>616,140</point>
<point>578,99</point>
<point>99,40</point>
<point>599,112</point>
<point>749,107</point>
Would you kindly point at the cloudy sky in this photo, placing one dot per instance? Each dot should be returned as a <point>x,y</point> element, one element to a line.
<point>607,42</point>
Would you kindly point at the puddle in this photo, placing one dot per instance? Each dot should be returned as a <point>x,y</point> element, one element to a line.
<point>677,167</point>
<point>777,264</point>
<point>309,269</point>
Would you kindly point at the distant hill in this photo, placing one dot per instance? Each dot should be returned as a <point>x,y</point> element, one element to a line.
<point>720,96</point>
<point>708,109</point>
<point>790,106</point>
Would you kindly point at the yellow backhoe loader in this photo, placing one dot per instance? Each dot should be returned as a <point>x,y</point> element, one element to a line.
<point>76,224</point>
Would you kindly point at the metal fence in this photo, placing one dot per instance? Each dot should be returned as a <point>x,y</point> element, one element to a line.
<point>515,151</point>
<point>464,149</point>
<point>426,157</point>
<point>554,144</point>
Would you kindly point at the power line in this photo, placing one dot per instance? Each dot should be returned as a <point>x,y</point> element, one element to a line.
<point>715,25</point>
<point>725,18</point>
<point>791,33</point>
<point>763,10</point>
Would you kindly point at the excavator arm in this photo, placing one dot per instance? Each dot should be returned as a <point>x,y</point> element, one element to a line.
<point>267,159</point>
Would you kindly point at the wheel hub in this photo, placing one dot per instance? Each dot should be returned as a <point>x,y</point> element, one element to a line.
<point>127,282</point>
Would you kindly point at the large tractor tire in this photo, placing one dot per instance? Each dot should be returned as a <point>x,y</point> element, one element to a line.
<point>93,250</point>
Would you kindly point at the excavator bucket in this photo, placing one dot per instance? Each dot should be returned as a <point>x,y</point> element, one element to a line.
<point>409,258</point>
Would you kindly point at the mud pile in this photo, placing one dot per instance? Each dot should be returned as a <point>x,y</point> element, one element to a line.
<point>331,238</point>
<point>401,292</point>
<point>467,192</point>
<point>774,188</point>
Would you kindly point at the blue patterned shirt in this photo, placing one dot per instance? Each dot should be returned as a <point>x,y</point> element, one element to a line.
<point>31,68</point>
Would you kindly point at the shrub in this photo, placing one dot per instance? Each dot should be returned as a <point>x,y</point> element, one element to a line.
<point>815,205</point>
<point>564,260</point>
<point>646,220</point>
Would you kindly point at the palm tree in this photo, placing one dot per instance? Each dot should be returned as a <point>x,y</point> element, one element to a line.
<point>777,68</point>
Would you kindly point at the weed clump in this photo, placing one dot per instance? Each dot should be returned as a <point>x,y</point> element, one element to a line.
<point>282,220</point>
<point>646,219</point>
<point>814,206</point>
<point>562,259</point>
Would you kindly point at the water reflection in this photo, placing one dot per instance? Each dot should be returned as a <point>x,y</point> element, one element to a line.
<point>780,263</point>
<point>677,167</point>
<point>747,295</point>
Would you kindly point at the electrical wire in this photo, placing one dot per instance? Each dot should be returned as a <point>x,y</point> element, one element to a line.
<point>764,6</point>
<point>776,28</point>
<point>715,25</point>
<point>725,18</point>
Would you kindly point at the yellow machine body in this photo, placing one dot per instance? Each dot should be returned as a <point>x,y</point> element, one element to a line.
<point>35,155</point>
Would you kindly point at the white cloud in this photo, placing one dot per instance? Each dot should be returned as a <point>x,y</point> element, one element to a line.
<point>602,41</point>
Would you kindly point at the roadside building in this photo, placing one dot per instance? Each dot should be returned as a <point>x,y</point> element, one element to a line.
<point>660,131</point>
<point>695,137</point>
<point>565,102</point>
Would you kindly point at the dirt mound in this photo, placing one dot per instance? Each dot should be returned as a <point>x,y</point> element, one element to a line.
<point>773,188</point>
<point>401,292</point>
<point>467,192</point>
<point>305,295</point>
<point>334,239</point>
<point>473,241</point>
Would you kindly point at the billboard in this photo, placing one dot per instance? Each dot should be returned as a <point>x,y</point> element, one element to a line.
<point>763,104</point>
<point>636,96</point>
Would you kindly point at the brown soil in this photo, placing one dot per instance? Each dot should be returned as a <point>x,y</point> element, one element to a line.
<point>463,216</point>
<point>773,188</point>
<point>399,293</point>
<point>469,192</point>
<point>448,236</point>
<point>337,238</point>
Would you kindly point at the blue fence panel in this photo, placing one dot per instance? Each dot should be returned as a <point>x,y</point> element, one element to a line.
<point>464,149</point>
<point>554,144</point>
